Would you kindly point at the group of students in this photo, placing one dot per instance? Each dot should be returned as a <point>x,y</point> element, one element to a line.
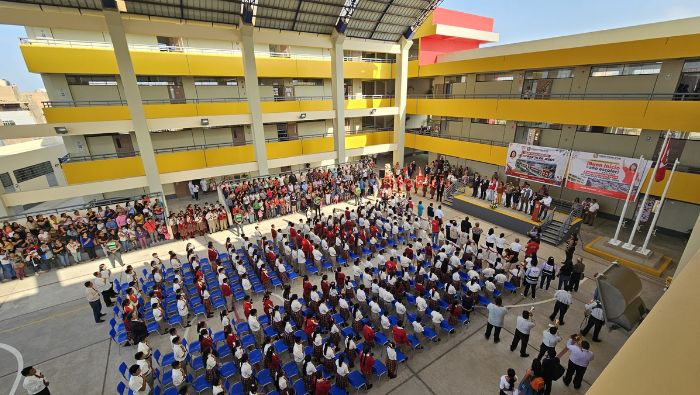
<point>43,243</point>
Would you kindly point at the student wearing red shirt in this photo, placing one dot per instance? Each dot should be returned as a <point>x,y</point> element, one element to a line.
<point>228,294</point>
<point>435,227</point>
<point>310,326</point>
<point>532,247</point>
<point>400,336</point>
<point>323,386</point>
<point>212,252</point>
<point>366,363</point>
<point>268,305</point>
<point>390,265</point>
<point>368,334</point>
<point>307,286</point>
<point>247,306</point>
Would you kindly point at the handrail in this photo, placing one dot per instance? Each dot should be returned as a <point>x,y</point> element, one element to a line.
<point>129,154</point>
<point>294,138</point>
<point>69,209</point>
<point>175,48</point>
<point>564,96</point>
<point>548,219</point>
<point>434,133</point>
<point>97,103</point>
<point>566,225</point>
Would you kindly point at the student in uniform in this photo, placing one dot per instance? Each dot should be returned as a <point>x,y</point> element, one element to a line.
<point>507,384</point>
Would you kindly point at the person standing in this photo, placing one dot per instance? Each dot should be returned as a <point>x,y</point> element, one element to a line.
<point>113,250</point>
<point>546,204</point>
<point>34,382</point>
<point>563,301</point>
<point>565,274</point>
<point>577,274</point>
<point>532,274</point>
<point>495,320</point>
<point>550,339</point>
<point>93,298</point>
<point>523,326</point>
<point>551,370</point>
<point>507,385</point>
<point>596,318</point>
<point>138,382</point>
<point>579,359</point>
<point>592,212</point>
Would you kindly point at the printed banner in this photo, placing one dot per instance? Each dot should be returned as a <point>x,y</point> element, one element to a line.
<point>605,175</point>
<point>541,164</point>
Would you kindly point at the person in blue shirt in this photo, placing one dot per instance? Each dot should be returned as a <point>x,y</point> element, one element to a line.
<point>420,209</point>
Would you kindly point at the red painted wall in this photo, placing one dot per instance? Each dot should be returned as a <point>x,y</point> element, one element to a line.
<point>443,16</point>
<point>432,46</point>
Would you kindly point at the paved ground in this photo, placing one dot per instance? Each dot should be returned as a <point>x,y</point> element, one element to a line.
<point>48,321</point>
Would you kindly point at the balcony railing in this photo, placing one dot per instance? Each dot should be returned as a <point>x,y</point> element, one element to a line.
<point>175,48</point>
<point>96,103</point>
<point>128,154</point>
<point>565,96</point>
<point>436,133</point>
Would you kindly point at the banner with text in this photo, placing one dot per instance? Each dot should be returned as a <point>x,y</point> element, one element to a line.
<point>605,175</point>
<point>541,164</point>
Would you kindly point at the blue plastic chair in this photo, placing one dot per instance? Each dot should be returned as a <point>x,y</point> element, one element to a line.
<point>356,380</point>
<point>264,377</point>
<point>291,369</point>
<point>228,369</point>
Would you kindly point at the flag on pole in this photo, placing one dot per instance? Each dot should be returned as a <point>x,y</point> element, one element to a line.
<point>663,161</point>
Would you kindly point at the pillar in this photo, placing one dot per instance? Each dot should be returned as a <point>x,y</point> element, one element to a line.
<point>250,73</point>
<point>400,92</point>
<point>115,27</point>
<point>338,94</point>
<point>3,208</point>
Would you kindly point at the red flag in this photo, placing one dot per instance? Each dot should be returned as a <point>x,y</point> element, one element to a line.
<point>663,160</point>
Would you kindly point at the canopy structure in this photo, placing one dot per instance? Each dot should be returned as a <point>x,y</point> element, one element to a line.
<point>384,20</point>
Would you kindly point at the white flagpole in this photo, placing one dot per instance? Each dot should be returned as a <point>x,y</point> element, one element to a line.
<point>615,241</point>
<point>629,245</point>
<point>643,249</point>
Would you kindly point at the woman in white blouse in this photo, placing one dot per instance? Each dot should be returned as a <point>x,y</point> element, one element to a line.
<point>507,384</point>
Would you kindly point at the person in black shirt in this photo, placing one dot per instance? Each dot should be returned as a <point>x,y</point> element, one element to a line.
<point>465,226</point>
<point>551,370</point>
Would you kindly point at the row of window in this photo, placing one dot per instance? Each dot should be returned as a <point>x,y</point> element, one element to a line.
<point>111,80</point>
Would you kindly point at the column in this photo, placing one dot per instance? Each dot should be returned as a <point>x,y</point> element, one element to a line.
<point>253,93</point>
<point>400,92</point>
<point>3,208</point>
<point>115,28</point>
<point>338,94</point>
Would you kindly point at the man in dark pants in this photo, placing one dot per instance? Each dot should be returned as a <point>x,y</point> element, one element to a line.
<point>495,319</point>
<point>465,226</point>
<point>522,333</point>
<point>596,318</point>
<point>475,186</point>
<point>563,301</point>
<point>551,370</point>
<point>93,298</point>
<point>578,360</point>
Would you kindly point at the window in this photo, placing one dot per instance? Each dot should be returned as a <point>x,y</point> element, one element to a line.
<point>609,130</point>
<point>92,80</point>
<point>7,183</point>
<point>279,51</point>
<point>308,82</point>
<point>453,79</point>
<point>489,77</point>
<point>489,121</point>
<point>34,171</point>
<point>552,73</point>
<point>145,80</point>
<point>626,69</point>
<point>215,81</point>
<point>691,66</point>
<point>541,125</point>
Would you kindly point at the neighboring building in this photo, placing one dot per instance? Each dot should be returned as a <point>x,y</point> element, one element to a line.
<point>18,108</point>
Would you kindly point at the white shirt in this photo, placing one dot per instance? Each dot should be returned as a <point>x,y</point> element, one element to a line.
<point>596,310</point>
<point>135,383</point>
<point>33,384</point>
<point>298,352</point>
<point>182,309</point>
<point>178,377</point>
<point>436,316</point>
<point>253,323</point>
<point>179,352</point>
<point>143,364</point>
<point>504,385</point>
<point>524,325</point>
<point>246,370</point>
<point>549,339</point>
<point>594,207</point>
<point>563,296</point>
<point>417,327</point>
<point>391,354</point>
<point>421,304</point>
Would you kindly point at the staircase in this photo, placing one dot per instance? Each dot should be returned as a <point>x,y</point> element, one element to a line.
<point>556,232</point>
<point>550,234</point>
<point>455,188</point>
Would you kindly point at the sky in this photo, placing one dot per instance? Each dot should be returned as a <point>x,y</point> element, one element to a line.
<point>515,20</point>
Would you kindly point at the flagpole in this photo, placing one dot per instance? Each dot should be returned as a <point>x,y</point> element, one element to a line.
<point>643,249</point>
<point>629,245</point>
<point>615,241</point>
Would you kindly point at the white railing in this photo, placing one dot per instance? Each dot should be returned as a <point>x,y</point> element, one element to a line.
<point>47,41</point>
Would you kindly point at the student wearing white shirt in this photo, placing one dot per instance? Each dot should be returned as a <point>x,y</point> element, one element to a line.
<point>179,351</point>
<point>137,382</point>
<point>145,365</point>
<point>179,374</point>
<point>437,319</point>
<point>522,333</point>
<point>34,381</point>
<point>182,310</point>
<point>255,327</point>
<point>508,384</point>
<point>391,359</point>
<point>421,305</point>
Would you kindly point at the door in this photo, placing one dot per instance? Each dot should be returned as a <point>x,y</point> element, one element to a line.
<point>181,189</point>
<point>123,145</point>
<point>292,131</point>
<point>238,135</point>
<point>177,94</point>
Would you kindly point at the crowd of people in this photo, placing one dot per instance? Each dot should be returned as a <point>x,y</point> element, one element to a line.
<point>45,242</point>
<point>386,272</point>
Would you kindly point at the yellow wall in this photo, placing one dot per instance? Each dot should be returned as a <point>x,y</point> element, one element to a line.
<point>283,149</point>
<point>100,170</point>
<point>367,139</point>
<point>317,145</point>
<point>229,155</point>
<point>631,51</point>
<point>655,114</point>
<point>86,114</point>
<point>461,149</point>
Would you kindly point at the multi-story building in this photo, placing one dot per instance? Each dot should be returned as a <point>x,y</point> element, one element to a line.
<point>20,108</point>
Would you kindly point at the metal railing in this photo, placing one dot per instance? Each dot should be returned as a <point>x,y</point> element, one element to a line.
<point>176,48</point>
<point>97,103</point>
<point>434,133</point>
<point>79,207</point>
<point>566,228</point>
<point>565,96</point>
<point>130,154</point>
<point>295,138</point>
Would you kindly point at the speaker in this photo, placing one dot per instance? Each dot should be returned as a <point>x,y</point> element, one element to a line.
<point>619,291</point>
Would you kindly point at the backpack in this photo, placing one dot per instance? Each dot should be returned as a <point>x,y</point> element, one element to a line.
<point>537,384</point>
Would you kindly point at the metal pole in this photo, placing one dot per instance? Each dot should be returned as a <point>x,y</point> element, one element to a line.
<point>615,241</point>
<point>643,249</point>
<point>629,245</point>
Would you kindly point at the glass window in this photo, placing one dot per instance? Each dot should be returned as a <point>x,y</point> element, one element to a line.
<point>488,77</point>
<point>626,69</point>
<point>215,81</point>
<point>308,82</point>
<point>553,73</point>
<point>33,171</point>
<point>92,80</point>
<point>691,66</point>
<point>155,80</point>
<point>279,51</point>
<point>489,121</point>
